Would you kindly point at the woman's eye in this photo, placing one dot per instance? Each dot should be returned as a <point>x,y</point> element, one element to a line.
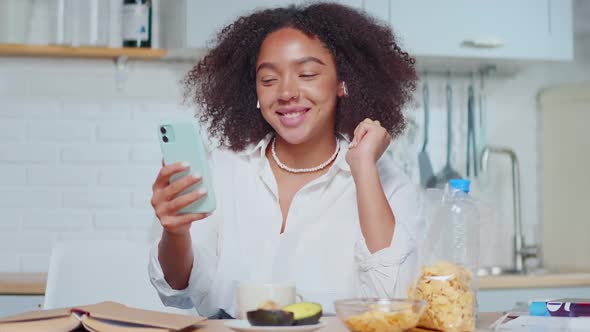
<point>267,80</point>
<point>307,76</point>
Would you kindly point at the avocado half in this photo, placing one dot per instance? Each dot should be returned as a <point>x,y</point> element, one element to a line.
<point>263,317</point>
<point>305,313</point>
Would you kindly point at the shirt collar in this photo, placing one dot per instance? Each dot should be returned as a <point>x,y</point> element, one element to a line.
<point>340,161</point>
<point>259,148</point>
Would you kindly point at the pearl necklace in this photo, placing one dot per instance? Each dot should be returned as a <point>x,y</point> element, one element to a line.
<point>303,170</point>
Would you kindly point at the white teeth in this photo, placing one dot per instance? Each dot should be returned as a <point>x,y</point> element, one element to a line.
<point>293,115</point>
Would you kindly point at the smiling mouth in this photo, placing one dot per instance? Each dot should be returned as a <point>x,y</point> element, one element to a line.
<point>292,113</point>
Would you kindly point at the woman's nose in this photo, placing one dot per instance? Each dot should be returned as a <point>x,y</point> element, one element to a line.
<point>289,90</point>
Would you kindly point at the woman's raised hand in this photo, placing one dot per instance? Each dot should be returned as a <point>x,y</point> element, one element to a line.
<point>166,203</point>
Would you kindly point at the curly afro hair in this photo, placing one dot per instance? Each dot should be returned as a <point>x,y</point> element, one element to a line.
<point>379,75</point>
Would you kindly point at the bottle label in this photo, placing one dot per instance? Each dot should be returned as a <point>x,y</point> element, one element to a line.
<point>135,22</point>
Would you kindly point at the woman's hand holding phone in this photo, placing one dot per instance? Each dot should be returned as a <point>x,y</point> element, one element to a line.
<point>167,202</point>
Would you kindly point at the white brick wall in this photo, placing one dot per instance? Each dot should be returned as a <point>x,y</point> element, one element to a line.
<point>94,154</point>
<point>13,130</point>
<point>64,220</point>
<point>11,219</point>
<point>60,175</point>
<point>12,175</point>
<point>78,154</point>
<point>33,152</point>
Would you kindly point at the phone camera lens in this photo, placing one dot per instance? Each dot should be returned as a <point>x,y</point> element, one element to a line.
<point>165,139</point>
<point>162,130</point>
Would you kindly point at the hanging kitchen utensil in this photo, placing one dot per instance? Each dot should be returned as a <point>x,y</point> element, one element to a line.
<point>424,163</point>
<point>471,145</point>
<point>481,121</point>
<point>447,173</point>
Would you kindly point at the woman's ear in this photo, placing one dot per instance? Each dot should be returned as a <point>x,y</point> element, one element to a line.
<point>342,90</point>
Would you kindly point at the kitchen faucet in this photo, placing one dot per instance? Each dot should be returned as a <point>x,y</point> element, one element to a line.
<point>521,251</point>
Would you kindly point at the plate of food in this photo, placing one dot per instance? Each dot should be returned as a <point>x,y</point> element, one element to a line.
<point>297,317</point>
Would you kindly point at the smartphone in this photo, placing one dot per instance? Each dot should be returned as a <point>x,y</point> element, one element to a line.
<point>182,141</point>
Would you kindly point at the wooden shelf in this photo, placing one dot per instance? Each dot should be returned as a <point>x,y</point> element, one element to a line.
<point>80,52</point>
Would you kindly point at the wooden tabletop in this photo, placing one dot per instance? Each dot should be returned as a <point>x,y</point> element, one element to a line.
<point>335,325</point>
<point>34,283</point>
<point>535,281</point>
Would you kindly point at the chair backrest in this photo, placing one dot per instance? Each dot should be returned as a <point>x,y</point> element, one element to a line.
<point>87,272</point>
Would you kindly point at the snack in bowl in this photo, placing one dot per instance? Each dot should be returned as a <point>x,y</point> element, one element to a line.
<point>447,287</point>
<point>379,315</point>
<point>302,313</point>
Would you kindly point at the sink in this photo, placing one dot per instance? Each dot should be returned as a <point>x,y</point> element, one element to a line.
<point>503,271</point>
<point>497,271</point>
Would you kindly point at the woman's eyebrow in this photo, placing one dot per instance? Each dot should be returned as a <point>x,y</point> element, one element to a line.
<point>266,65</point>
<point>309,59</point>
<point>299,61</point>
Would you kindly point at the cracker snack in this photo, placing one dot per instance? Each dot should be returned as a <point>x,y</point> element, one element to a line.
<point>447,287</point>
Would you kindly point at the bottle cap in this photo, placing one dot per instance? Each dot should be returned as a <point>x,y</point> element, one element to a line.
<point>537,308</point>
<point>460,184</point>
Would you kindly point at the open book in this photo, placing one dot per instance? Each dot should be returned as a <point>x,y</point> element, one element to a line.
<point>101,317</point>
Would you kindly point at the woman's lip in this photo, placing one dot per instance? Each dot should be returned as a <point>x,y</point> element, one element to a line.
<point>293,121</point>
<point>283,111</point>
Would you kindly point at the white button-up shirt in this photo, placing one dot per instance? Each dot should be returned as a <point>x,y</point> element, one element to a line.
<point>322,250</point>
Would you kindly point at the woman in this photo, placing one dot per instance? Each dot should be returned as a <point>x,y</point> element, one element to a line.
<point>284,91</point>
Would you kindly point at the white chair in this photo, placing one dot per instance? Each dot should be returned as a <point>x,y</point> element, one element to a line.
<point>87,272</point>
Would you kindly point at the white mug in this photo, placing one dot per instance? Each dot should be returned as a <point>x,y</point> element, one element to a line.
<point>253,295</point>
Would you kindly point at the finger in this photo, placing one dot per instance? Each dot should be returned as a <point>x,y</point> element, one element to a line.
<point>163,178</point>
<point>180,185</point>
<point>377,123</point>
<point>360,132</point>
<point>182,220</point>
<point>360,125</point>
<point>182,201</point>
<point>354,135</point>
<point>356,130</point>
<point>166,208</point>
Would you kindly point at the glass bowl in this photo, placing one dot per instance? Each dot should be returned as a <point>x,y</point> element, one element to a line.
<point>379,314</point>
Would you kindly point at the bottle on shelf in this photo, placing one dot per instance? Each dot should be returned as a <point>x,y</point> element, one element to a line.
<point>137,23</point>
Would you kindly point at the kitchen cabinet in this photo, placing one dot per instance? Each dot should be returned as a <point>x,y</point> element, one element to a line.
<point>500,29</point>
<point>536,30</point>
<point>15,304</point>
<point>188,24</point>
<point>499,293</point>
<point>498,300</point>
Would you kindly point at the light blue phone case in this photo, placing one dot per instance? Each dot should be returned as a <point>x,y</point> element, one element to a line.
<point>181,141</point>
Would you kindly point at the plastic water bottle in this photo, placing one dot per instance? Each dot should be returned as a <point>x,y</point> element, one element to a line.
<point>464,218</point>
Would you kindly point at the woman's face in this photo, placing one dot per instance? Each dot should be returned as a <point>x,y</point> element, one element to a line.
<point>297,85</point>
